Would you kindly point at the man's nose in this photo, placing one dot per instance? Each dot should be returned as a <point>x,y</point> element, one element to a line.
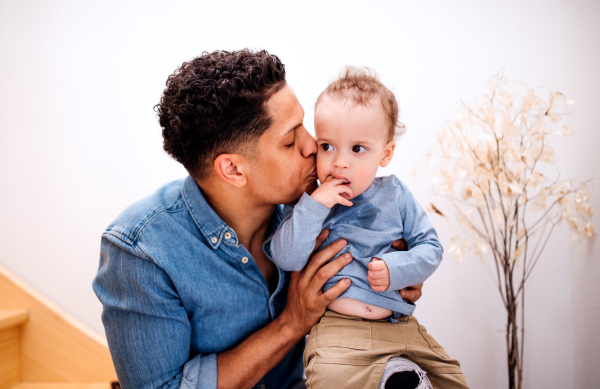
<point>308,145</point>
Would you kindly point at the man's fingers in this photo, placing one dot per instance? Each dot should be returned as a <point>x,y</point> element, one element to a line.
<point>320,239</point>
<point>333,293</point>
<point>412,293</point>
<point>326,272</point>
<point>322,257</point>
<point>400,245</point>
<point>409,295</point>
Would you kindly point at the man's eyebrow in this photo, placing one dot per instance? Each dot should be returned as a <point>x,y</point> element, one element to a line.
<point>292,129</point>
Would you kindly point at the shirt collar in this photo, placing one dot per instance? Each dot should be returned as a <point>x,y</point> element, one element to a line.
<point>367,194</point>
<point>207,221</point>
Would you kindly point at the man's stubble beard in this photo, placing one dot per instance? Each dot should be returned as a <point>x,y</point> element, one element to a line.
<point>309,189</point>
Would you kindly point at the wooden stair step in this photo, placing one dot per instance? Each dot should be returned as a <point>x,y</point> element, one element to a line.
<point>12,317</point>
<point>54,346</point>
<point>62,385</point>
<point>10,346</point>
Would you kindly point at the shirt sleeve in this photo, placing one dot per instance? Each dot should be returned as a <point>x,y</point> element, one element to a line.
<point>412,267</point>
<point>147,328</point>
<point>295,237</point>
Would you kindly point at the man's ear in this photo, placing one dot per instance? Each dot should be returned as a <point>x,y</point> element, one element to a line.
<point>232,168</point>
<point>388,153</point>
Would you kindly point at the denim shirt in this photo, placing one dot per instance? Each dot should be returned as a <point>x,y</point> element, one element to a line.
<point>385,212</point>
<point>178,288</point>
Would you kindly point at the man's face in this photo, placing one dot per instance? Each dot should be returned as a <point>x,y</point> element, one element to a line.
<point>283,166</point>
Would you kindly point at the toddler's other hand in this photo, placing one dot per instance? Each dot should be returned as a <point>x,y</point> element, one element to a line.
<point>379,275</point>
<point>330,193</point>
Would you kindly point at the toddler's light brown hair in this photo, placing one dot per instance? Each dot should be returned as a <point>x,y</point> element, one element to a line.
<point>362,86</point>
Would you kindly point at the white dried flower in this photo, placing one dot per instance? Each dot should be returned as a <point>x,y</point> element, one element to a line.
<point>529,102</point>
<point>517,253</point>
<point>453,244</point>
<point>481,245</point>
<point>564,131</point>
<point>563,187</point>
<point>433,151</point>
<point>582,194</point>
<point>505,94</point>
<point>548,154</point>
<point>418,168</point>
<point>458,255</point>
<point>584,208</point>
<point>536,178</point>
<point>588,230</point>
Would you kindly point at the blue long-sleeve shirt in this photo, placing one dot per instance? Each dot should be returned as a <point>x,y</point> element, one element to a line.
<point>385,212</point>
<point>178,288</point>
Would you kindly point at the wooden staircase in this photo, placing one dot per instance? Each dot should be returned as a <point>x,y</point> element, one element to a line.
<point>43,347</point>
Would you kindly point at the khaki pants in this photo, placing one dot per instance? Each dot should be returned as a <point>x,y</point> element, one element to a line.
<point>347,352</point>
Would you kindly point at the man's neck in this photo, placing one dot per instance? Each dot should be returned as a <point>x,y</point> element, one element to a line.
<point>249,218</point>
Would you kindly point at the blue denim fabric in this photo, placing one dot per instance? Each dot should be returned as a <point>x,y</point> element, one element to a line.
<point>176,292</point>
<point>385,212</point>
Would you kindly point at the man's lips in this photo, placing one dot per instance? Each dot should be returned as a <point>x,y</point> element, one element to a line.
<point>313,174</point>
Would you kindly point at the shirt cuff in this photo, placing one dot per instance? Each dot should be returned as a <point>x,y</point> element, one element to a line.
<point>312,207</point>
<point>200,372</point>
<point>399,274</point>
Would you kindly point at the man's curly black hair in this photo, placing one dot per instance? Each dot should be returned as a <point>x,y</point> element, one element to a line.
<point>216,104</point>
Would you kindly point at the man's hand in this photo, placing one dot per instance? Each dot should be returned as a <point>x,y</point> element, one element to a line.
<point>332,192</point>
<point>400,245</point>
<point>306,301</point>
<point>378,275</point>
<point>243,366</point>
<point>411,293</point>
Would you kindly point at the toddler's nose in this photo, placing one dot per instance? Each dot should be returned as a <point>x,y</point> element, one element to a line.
<point>341,162</point>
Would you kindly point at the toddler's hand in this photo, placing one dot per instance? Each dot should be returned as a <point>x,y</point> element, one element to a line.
<point>379,275</point>
<point>330,193</point>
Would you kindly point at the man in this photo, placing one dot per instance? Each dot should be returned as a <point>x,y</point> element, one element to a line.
<point>191,297</point>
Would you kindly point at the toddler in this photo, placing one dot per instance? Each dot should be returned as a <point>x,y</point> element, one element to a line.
<point>356,122</point>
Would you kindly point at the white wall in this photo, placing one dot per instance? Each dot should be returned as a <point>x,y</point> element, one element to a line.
<point>581,79</point>
<point>79,140</point>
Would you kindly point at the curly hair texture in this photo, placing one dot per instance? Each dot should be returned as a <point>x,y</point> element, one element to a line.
<point>361,85</point>
<point>216,104</point>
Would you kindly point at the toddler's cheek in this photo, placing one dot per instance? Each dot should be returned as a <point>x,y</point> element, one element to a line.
<point>322,170</point>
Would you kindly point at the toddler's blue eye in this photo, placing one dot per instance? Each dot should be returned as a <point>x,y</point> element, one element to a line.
<point>358,149</point>
<point>326,147</point>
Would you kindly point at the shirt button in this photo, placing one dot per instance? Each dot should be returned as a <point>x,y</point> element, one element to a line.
<point>214,239</point>
<point>262,386</point>
<point>227,235</point>
<point>245,260</point>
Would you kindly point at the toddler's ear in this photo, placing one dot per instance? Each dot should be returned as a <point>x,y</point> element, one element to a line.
<point>388,153</point>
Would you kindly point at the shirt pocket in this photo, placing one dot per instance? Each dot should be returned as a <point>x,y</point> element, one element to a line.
<point>341,332</point>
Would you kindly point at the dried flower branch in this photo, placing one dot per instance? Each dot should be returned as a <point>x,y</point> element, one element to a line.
<point>489,163</point>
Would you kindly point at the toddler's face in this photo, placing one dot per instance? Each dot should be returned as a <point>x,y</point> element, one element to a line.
<point>352,143</point>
